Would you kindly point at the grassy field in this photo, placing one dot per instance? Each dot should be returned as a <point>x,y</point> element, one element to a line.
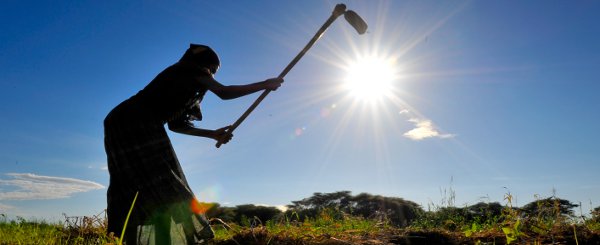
<point>446,225</point>
<point>325,230</point>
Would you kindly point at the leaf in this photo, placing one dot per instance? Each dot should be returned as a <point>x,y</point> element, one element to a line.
<point>510,234</point>
<point>127,218</point>
<point>475,227</point>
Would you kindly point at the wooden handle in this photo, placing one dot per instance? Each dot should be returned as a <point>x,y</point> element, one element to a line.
<point>337,11</point>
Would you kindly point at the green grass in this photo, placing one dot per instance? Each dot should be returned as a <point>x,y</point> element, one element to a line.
<point>21,231</point>
<point>322,230</point>
<point>316,230</point>
<point>514,226</point>
<point>442,225</point>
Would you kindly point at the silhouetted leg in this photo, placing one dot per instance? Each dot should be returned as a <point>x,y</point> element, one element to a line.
<point>206,233</point>
<point>162,229</point>
<point>189,230</point>
<point>131,235</point>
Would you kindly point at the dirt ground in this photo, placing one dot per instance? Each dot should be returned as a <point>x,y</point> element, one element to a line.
<point>260,237</point>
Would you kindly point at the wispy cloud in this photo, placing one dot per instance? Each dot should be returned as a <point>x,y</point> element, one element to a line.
<point>4,208</point>
<point>424,129</point>
<point>98,166</point>
<point>27,186</point>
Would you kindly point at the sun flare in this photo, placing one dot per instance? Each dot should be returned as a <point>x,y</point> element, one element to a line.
<point>370,78</point>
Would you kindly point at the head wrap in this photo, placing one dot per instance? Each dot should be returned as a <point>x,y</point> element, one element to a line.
<point>202,55</point>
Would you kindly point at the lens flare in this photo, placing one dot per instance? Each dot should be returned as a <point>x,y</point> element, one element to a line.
<point>199,207</point>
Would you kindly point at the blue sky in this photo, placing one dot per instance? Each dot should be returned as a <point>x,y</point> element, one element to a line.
<point>489,98</point>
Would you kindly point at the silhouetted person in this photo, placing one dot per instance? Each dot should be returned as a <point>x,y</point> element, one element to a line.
<point>141,157</point>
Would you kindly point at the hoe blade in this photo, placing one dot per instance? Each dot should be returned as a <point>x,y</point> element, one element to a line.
<point>356,21</point>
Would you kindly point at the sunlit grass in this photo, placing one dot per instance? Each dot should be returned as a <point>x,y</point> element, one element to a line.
<point>127,218</point>
<point>313,230</point>
<point>441,223</point>
<point>322,230</point>
<point>21,231</point>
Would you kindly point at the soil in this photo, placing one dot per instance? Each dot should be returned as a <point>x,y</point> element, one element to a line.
<point>261,237</point>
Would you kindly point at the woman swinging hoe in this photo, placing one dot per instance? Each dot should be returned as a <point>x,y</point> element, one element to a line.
<point>141,158</point>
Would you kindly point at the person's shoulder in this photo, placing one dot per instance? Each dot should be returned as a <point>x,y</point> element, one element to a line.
<point>178,72</point>
<point>190,68</point>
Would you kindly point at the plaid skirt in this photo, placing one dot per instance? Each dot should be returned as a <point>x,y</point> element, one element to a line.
<point>142,160</point>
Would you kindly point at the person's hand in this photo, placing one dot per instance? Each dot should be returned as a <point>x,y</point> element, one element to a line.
<point>222,135</point>
<point>273,83</point>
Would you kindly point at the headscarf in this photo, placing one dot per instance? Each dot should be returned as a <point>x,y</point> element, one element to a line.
<point>202,55</point>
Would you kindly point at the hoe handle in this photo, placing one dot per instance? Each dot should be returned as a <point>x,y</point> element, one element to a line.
<point>337,11</point>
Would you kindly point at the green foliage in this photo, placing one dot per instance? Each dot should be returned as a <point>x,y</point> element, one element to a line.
<point>246,215</point>
<point>127,218</point>
<point>449,218</point>
<point>535,222</point>
<point>287,229</point>
<point>469,219</point>
<point>252,215</point>
<point>340,216</point>
<point>475,227</point>
<point>396,211</point>
<point>549,208</point>
<point>511,225</point>
<point>484,211</point>
<point>512,232</point>
<point>215,210</point>
<point>596,215</point>
<point>27,232</point>
<point>546,216</point>
<point>21,231</point>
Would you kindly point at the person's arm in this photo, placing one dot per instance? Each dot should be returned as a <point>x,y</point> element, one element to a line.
<point>235,91</point>
<point>186,127</point>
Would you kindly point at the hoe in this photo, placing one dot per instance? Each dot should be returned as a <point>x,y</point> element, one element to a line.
<point>352,17</point>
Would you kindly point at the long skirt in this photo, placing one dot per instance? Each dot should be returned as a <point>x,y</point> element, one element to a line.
<point>142,160</point>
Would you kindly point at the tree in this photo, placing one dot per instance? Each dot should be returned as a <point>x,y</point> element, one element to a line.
<point>397,210</point>
<point>249,211</point>
<point>552,207</point>
<point>313,206</point>
<point>226,214</point>
<point>320,201</point>
<point>484,211</point>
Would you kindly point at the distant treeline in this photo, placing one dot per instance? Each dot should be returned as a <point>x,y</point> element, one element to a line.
<point>392,210</point>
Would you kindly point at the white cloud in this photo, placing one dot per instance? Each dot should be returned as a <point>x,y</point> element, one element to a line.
<point>98,166</point>
<point>424,129</point>
<point>4,208</point>
<point>282,208</point>
<point>27,186</point>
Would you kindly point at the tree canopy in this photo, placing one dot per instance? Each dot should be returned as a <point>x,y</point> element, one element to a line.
<point>549,207</point>
<point>398,211</point>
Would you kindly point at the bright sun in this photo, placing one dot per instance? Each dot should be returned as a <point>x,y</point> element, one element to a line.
<point>370,78</point>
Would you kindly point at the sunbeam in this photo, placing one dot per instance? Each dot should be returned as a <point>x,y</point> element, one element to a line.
<point>369,85</point>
